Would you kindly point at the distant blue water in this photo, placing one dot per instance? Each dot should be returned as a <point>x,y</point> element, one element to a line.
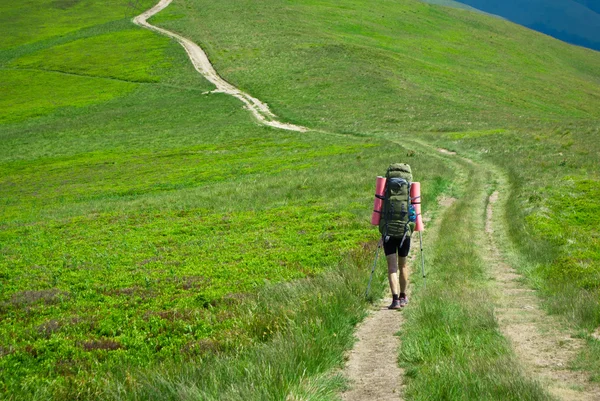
<point>573,21</point>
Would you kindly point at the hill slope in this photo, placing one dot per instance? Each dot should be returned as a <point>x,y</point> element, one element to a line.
<point>408,64</point>
<point>144,218</point>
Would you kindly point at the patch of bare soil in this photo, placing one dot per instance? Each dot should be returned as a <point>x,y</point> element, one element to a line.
<point>446,151</point>
<point>542,347</point>
<point>372,366</point>
<point>446,201</point>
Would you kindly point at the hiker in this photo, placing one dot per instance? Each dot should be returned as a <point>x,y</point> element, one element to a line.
<point>396,226</point>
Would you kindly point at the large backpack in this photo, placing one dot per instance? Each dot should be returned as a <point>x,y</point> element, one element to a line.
<point>395,215</point>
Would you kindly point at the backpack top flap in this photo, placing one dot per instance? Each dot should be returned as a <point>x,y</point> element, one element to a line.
<point>399,170</point>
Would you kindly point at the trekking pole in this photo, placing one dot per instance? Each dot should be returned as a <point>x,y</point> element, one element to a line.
<point>422,260</point>
<point>373,269</point>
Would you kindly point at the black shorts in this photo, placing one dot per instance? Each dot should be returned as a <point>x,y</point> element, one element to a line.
<point>393,244</point>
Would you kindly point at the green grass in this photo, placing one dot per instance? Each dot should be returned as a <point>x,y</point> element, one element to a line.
<point>129,55</point>
<point>148,286</point>
<point>28,21</point>
<point>553,212</point>
<point>104,254</point>
<point>110,175</point>
<point>28,94</point>
<point>551,215</point>
<point>93,273</point>
<point>88,64</point>
<point>451,3</point>
<point>137,227</point>
<point>309,326</point>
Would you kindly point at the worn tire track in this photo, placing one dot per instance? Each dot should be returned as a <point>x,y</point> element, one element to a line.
<point>541,342</point>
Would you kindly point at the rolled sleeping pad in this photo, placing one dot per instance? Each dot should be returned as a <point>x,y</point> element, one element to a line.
<point>419,223</point>
<point>378,204</point>
<point>415,200</point>
<point>415,193</point>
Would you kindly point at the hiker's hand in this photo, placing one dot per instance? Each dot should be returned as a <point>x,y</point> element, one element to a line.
<point>380,243</point>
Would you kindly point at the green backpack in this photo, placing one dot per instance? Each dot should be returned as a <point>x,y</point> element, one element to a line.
<point>395,215</point>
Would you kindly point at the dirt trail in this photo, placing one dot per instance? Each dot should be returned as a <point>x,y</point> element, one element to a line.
<point>542,347</point>
<point>372,366</point>
<point>202,64</point>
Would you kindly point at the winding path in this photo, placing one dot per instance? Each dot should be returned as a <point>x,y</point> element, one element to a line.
<point>202,64</point>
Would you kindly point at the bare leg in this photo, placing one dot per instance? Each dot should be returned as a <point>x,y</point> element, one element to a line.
<point>403,274</point>
<point>392,261</point>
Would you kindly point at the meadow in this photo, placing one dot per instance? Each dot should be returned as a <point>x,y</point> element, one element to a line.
<point>157,243</point>
<point>400,67</point>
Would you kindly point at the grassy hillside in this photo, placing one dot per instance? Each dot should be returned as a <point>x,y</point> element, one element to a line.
<point>451,3</point>
<point>541,97</point>
<point>484,86</point>
<point>29,22</point>
<point>54,55</point>
<point>145,224</point>
<point>400,66</point>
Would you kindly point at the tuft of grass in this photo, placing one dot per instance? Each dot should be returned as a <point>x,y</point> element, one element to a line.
<point>590,359</point>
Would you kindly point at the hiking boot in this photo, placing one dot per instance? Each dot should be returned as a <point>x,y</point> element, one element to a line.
<point>395,304</point>
<point>403,301</point>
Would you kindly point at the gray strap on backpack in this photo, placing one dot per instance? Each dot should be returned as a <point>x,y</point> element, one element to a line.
<point>403,238</point>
